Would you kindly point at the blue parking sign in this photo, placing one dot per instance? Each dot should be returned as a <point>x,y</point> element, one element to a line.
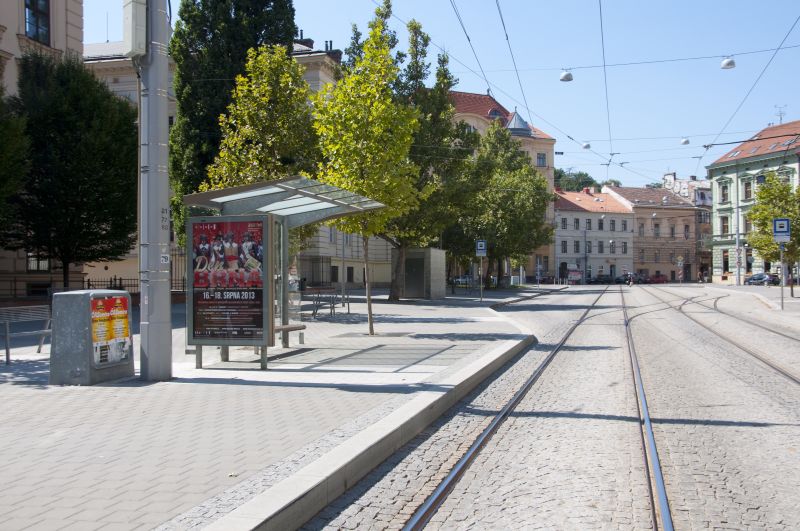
<point>480,247</point>
<point>781,229</point>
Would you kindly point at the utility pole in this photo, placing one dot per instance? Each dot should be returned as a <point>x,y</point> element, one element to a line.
<point>154,212</point>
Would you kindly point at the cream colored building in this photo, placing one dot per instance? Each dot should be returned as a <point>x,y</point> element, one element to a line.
<point>479,111</point>
<point>53,27</point>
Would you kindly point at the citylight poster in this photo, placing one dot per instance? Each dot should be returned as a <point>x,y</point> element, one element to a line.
<point>111,336</point>
<point>227,299</point>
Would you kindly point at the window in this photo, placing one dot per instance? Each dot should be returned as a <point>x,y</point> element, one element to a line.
<point>724,225</point>
<point>672,257</point>
<point>726,266</point>
<point>613,247</point>
<point>331,235</point>
<point>723,193</point>
<point>657,230</point>
<point>37,20</point>
<point>600,247</point>
<point>600,224</point>
<point>624,247</point>
<point>545,263</point>
<point>564,223</point>
<point>577,246</point>
<point>641,229</point>
<point>748,226</point>
<point>588,223</point>
<point>686,232</point>
<point>641,255</point>
<point>748,190</point>
<point>541,159</point>
<point>656,257</point>
<point>588,247</point>
<point>563,246</point>
<point>334,273</point>
<point>613,225</point>
<point>624,225</point>
<point>350,274</point>
<point>577,224</point>
<point>704,217</point>
<point>37,263</point>
<point>672,231</point>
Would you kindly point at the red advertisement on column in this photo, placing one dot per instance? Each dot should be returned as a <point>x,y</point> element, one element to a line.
<point>228,280</point>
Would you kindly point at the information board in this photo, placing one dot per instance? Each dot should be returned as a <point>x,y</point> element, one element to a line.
<point>226,299</point>
<point>111,336</point>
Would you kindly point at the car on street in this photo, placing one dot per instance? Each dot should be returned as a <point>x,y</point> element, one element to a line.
<point>759,279</point>
<point>601,279</point>
<point>658,279</point>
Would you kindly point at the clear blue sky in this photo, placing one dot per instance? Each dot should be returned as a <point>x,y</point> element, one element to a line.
<point>651,106</point>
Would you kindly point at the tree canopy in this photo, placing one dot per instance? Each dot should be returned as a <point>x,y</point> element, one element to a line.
<point>14,159</point>
<point>365,136</point>
<point>573,181</point>
<point>775,199</point>
<point>78,203</point>
<point>209,46</point>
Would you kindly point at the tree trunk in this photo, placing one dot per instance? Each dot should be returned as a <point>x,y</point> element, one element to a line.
<point>398,274</point>
<point>65,277</point>
<point>487,278</point>
<point>499,270</point>
<point>365,239</point>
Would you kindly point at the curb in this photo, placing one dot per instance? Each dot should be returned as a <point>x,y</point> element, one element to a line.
<point>291,502</point>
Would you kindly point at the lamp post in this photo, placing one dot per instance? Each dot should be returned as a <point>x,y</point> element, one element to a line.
<point>738,240</point>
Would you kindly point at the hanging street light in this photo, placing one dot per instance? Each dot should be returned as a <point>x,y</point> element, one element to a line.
<point>727,63</point>
<point>684,141</point>
<point>566,75</point>
<point>586,145</point>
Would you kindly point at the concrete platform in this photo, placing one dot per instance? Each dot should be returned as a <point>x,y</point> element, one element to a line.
<point>233,447</point>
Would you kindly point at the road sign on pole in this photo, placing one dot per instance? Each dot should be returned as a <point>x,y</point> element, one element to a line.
<point>480,247</point>
<point>781,229</point>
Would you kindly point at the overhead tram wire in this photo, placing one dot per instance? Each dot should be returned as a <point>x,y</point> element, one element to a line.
<point>466,34</point>
<point>512,98</point>
<point>741,103</point>
<point>605,84</point>
<point>513,61</point>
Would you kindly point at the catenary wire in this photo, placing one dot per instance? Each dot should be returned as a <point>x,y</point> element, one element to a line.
<point>466,34</point>
<point>513,60</point>
<point>605,85</point>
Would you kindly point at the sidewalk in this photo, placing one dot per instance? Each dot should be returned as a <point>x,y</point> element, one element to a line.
<point>230,444</point>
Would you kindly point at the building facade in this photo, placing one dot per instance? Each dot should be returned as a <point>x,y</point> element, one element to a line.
<point>593,236</point>
<point>53,27</point>
<point>479,111</point>
<point>735,177</point>
<point>664,233</point>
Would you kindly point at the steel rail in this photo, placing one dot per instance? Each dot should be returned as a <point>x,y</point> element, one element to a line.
<point>783,371</point>
<point>733,315</point>
<point>439,495</point>
<point>648,438</point>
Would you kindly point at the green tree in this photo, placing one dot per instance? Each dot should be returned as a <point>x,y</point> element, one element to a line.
<point>14,161</point>
<point>573,181</point>
<point>268,131</point>
<point>611,182</point>
<point>775,199</point>
<point>441,151</point>
<point>509,213</point>
<point>79,201</point>
<point>365,137</point>
<point>209,47</point>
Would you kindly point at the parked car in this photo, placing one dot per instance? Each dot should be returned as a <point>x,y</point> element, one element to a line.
<point>658,279</point>
<point>601,279</point>
<point>759,279</point>
<point>625,278</point>
<point>463,280</point>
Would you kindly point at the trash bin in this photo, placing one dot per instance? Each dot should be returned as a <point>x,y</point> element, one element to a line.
<point>92,340</point>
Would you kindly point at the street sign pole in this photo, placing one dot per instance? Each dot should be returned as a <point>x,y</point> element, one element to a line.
<point>783,276</point>
<point>480,276</point>
<point>782,233</point>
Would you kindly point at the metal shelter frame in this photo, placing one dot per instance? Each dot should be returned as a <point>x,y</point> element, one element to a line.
<point>293,202</point>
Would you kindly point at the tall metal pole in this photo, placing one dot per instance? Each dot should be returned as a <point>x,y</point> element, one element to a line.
<point>783,276</point>
<point>154,213</point>
<point>738,242</point>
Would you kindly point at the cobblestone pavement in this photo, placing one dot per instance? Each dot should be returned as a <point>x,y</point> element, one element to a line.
<point>391,493</point>
<point>570,458</point>
<point>570,455</point>
<point>726,425</point>
<point>134,454</point>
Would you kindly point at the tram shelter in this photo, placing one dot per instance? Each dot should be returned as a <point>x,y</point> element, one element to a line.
<point>288,203</point>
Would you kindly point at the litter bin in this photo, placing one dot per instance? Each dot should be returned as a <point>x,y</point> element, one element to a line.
<point>92,340</point>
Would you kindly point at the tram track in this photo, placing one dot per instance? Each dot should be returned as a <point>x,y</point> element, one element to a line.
<point>771,363</point>
<point>655,483</point>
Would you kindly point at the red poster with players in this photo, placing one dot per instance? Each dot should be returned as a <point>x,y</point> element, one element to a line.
<point>227,280</point>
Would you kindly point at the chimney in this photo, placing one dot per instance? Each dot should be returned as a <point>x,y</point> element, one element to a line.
<point>558,189</point>
<point>586,190</point>
<point>693,177</point>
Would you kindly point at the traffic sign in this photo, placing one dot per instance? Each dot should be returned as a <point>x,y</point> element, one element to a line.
<point>781,230</point>
<point>480,247</point>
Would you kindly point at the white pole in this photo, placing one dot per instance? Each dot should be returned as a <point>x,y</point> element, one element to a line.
<point>783,276</point>
<point>480,276</point>
<point>154,213</point>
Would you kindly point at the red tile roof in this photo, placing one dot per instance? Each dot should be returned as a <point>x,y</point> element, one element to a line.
<point>770,140</point>
<point>589,202</point>
<point>651,196</point>
<point>484,104</point>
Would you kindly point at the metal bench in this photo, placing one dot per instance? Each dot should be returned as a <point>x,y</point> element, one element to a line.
<point>22,314</point>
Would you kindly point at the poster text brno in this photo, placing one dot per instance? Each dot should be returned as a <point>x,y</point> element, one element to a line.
<point>227,280</point>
